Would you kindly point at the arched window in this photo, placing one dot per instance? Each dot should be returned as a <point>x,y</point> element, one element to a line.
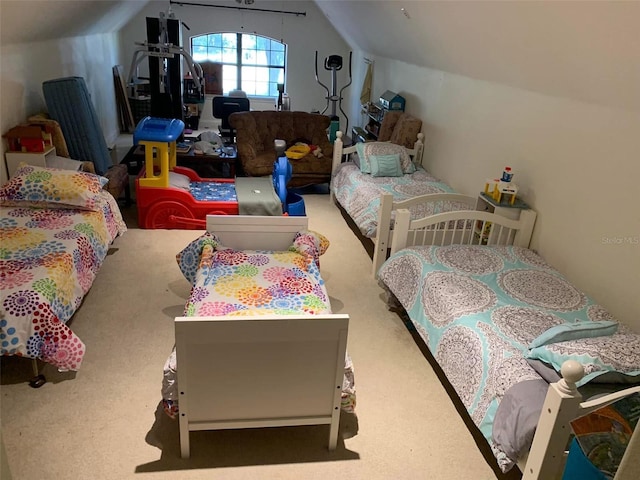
<point>250,62</point>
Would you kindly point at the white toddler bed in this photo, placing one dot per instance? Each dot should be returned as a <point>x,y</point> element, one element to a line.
<point>369,199</point>
<point>259,368</point>
<point>495,317</point>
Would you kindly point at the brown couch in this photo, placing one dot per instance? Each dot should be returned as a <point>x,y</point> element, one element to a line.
<point>256,132</point>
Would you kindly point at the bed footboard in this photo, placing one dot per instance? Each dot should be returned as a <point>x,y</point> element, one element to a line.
<point>562,404</point>
<point>244,372</point>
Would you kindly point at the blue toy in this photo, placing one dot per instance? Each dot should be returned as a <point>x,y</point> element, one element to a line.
<point>292,203</point>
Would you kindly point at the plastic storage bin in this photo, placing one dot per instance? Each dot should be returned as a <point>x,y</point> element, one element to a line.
<point>579,467</point>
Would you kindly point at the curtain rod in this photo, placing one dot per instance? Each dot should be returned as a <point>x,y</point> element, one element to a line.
<point>193,4</point>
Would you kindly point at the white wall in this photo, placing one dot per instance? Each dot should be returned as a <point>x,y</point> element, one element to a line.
<point>302,34</point>
<point>26,66</point>
<point>578,164</point>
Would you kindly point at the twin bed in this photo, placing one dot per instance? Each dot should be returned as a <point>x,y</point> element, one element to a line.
<point>368,191</point>
<point>502,324</point>
<point>259,313</point>
<point>56,227</point>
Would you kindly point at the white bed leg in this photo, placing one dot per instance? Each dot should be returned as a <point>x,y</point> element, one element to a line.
<point>546,457</point>
<point>184,438</point>
<point>337,394</point>
<point>333,434</point>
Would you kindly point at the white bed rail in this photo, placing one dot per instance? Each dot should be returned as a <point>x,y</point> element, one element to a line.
<point>461,227</point>
<point>441,202</point>
<point>562,404</point>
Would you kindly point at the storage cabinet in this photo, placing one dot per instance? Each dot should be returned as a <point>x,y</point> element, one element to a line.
<point>32,158</point>
<point>48,158</point>
<point>375,112</point>
<point>375,115</point>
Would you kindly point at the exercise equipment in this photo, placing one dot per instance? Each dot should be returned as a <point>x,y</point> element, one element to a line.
<point>165,54</point>
<point>333,63</point>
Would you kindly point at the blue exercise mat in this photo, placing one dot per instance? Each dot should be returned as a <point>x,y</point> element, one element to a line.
<point>69,103</point>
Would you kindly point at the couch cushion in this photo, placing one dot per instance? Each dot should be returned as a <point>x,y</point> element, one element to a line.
<point>399,128</point>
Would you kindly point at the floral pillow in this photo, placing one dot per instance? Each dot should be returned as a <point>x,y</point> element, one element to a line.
<point>189,257</point>
<point>313,244</point>
<point>41,187</point>
<point>367,149</point>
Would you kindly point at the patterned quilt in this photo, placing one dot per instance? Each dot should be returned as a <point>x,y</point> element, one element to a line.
<point>49,258</point>
<point>478,309</point>
<point>239,283</point>
<point>359,194</point>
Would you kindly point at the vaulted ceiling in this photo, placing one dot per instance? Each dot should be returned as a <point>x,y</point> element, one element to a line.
<point>585,50</point>
<point>26,21</point>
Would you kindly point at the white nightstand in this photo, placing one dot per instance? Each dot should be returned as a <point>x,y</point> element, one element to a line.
<point>48,158</point>
<point>32,158</point>
<point>518,211</point>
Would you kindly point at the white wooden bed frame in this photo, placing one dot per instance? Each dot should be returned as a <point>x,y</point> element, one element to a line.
<point>547,455</point>
<point>339,151</point>
<point>261,371</point>
<point>382,240</point>
<point>562,404</point>
<point>461,227</point>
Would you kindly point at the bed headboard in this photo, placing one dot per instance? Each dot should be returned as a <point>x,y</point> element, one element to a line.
<point>339,150</point>
<point>256,232</point>
<point>462,227</point>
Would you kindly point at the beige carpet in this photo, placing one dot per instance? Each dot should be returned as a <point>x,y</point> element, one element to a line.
<point>104,421</point>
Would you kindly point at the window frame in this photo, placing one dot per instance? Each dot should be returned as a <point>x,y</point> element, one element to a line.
<point>241,57</point>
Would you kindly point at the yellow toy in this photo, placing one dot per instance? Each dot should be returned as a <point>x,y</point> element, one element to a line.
<point>158,136</point>
<point>507,189</point>
<point>496,188</point>
<point>297,151</point>
<point>491,185</point>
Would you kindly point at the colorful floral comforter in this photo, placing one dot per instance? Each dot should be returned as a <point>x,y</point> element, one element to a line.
<point>49,258</point>
<point>359,194</point>
<point>240,283</point>
<point>479,309</point>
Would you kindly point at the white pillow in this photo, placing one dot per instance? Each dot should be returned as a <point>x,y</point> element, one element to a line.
<point>177,180</point>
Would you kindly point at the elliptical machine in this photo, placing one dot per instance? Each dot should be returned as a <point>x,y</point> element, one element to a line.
<point>333,63</point>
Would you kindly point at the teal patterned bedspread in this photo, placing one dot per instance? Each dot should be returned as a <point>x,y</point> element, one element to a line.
<point>478,308</point>
<point>359,194</point>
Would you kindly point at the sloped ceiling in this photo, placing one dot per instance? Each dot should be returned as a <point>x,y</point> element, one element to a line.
<point>584,50</point>
<point>25,21</point>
